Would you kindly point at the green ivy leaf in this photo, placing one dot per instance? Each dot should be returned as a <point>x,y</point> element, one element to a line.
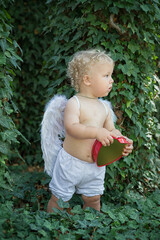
<point>90,216</point>
<point>128,103</point>
<point>3,44</point>
<point>9,136</point>
<point>77,210</point>
<point>98,5</point>
<point>4,148</point>
<point>145,7</point>
<point>133,47</point>
<point>129,113</point>
<point>62,204</point>
<point>5,122</point>
<point>2,59</point>
<point>8,54</point>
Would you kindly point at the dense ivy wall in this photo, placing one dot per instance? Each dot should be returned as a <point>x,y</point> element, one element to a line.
<point>8,63</point>
<point>31,83</point>
<point>46,47</point>
<point>130,35</point>
<point>127,29</point>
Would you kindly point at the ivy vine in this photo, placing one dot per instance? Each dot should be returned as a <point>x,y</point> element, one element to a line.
<point>9,61</point>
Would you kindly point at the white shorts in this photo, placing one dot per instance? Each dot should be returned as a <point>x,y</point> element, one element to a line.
<point>72,175</point>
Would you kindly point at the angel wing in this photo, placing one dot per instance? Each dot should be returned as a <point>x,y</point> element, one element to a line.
<point>52,131</point>
<point>114,118</point>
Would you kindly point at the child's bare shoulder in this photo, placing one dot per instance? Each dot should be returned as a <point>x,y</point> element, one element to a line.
<point>72,101</point>
<point>72,104</point>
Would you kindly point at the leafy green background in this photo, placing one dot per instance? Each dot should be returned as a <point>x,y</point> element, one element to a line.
<point>37,39</point>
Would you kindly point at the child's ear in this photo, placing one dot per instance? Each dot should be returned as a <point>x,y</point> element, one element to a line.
<point>86,80</point>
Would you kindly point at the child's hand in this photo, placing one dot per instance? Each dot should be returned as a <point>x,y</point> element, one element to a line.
<point>128,147</point>
<point>105,136</point>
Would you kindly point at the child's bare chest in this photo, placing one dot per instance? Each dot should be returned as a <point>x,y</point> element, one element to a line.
<point>92,114</point>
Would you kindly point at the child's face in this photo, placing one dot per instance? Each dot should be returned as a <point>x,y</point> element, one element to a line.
<point>101,79</point>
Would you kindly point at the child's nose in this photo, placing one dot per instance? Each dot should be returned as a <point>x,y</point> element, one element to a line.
<point>111,80</point>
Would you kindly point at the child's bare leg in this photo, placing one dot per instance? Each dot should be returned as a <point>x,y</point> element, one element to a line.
<point>93,202</point>
<point>52,204</point>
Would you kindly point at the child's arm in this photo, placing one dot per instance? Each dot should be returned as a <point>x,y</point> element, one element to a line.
<point>110,126</point>
<point>77,130</point>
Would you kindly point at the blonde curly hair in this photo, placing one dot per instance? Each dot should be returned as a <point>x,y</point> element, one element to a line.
<point>82,62</point>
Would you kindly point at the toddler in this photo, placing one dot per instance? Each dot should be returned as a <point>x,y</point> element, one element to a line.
<point>86,118</point>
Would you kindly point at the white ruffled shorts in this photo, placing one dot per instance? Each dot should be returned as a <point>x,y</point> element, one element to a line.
<point>72,175</point>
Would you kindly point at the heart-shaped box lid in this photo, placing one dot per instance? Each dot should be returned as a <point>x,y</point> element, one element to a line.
<point>105,155</point>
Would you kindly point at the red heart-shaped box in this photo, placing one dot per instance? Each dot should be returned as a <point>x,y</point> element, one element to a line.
<point>106,155</point>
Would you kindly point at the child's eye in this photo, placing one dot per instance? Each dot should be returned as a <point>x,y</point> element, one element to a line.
<point>107,76</point>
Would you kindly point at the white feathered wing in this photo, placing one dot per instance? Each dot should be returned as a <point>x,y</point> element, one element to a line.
<point>114,118</point>
<point>52,131</point>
